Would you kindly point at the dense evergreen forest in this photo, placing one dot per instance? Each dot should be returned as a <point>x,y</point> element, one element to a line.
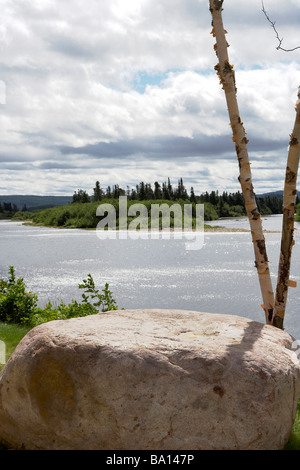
<point>222,204</point>
<point>81,211</point>
<point>7,210</point>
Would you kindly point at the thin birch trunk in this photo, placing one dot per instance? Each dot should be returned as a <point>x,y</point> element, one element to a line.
<point>287,237</point>
<point>227,79</point>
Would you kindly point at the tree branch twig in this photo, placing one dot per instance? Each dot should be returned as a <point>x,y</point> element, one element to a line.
<point>272,23</point>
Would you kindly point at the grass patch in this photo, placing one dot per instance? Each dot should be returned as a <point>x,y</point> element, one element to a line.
<point>294,440</point>
<point>11,335</point>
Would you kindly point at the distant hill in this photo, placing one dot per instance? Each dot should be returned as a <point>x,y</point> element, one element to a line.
<point>43,202</point>
<point>278,194</point>
<point>36,202</point>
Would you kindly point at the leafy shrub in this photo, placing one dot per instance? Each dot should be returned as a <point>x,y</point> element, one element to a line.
<point>20,215</point>
<point>63,217</point>
<point>210,212</point>
<point>16,305</point>
<point>104,301</point>
<point>236,211</point>
<point>19,306</point>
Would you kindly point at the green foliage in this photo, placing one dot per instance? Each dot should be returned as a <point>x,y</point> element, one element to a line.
<point>104,301</point>
<point>81,196</point>
<point>294,439</point>
<point>98,193</point>
<point>63,217</point>
<point>76,215</point>
<point>210,211</point>
<point>82,213</point>
<point>21,307</point>
<point>11,334</point>
<point>7,210</point>
<point>20,215</point>
<point>16,305</point>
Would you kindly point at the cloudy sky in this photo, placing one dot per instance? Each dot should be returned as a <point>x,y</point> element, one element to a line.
<point>125,91</point>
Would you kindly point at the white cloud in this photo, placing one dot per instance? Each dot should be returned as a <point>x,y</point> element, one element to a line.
<point>72,69</point>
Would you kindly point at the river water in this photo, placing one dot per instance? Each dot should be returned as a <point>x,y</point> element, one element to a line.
<point>151,273</point>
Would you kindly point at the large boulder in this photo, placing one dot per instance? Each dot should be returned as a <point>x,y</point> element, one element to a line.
<point>150,379</point>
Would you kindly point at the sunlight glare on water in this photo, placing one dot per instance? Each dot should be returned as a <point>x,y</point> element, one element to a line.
<point>148,273</point>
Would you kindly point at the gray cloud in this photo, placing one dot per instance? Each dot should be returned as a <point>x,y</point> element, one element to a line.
<point>71,47</point>
<point>50,165</point>
<point>75,106</point>
<point>169,147</point>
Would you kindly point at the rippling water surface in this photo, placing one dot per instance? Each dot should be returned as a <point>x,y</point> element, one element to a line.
<point>151,273</point>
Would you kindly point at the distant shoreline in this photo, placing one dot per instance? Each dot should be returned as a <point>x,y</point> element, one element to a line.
<point>207,228</point>
<point>232,229</point>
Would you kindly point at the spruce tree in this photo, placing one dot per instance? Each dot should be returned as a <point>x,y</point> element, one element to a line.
<point>157,191</point>
<point>192,196</point>
<point>97,192</point>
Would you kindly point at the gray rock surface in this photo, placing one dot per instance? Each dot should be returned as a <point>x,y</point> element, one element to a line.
<point>150,379</point>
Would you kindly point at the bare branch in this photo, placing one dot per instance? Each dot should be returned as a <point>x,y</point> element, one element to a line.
<point>272,23</point>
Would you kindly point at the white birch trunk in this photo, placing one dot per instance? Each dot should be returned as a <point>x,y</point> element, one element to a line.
<point>287,237</point>
<point>227,80</point>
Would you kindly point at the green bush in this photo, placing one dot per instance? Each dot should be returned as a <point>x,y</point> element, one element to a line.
<point>20,215</point>
<point>78,215</point>
<point>21,307</point>
<point>63,217</point>
<point>16,304</point>
<point>210,212</point>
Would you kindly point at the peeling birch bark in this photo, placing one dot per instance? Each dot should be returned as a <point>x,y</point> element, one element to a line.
<point>287,236</point>
<point>227,80</point>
